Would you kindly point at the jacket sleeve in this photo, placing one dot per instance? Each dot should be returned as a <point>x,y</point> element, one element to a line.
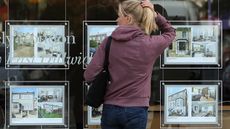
<point>162,41</point>
<point>97,62</point>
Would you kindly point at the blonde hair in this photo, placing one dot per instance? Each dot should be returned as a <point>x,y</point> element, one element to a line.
<point>143,16</point>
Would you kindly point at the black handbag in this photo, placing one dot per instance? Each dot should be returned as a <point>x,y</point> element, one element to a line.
<point>97,89</point>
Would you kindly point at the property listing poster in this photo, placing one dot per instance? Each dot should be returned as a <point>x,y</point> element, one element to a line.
<point>194,45</point>
<point>34,105</point>
<point>37,45</point>
<point>191,104</point>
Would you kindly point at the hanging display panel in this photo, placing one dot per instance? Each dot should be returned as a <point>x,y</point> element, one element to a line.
<point>37,103</point>
<point>37,44</point>
<point>92,116</point>
<point>197,44</point>
<point>192,104</point>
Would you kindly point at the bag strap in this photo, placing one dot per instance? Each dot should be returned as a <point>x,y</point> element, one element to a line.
<point>107,49</point>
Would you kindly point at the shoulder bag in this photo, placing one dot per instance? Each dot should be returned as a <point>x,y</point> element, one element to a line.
<point>97,89</point>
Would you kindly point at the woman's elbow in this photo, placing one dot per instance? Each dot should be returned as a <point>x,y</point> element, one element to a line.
<point>87,76</point>
<point>173,35</point>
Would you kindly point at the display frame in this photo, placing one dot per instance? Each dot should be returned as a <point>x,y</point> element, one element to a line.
<point>187,116</point>
<point>92,116</point>
<point>2,42</point>
<point>197,45</point>
<point>1,26</point>
<point>38,37</point>
<point>50,95</point>
<point>89,27</point>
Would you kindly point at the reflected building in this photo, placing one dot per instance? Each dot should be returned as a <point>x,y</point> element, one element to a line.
<point>24,38</point>
<point>98,37</point>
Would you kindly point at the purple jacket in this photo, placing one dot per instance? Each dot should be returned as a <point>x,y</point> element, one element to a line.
<point>131,60</point>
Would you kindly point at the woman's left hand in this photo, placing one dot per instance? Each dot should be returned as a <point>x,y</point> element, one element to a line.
<point>147,3</point>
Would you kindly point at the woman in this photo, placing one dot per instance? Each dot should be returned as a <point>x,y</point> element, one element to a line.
<point>132,55</point>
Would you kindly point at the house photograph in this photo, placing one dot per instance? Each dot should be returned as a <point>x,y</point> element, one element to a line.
<point>178,103</point>
<point>24,103</point>
<point>23,42</point>
<point>181,46</point>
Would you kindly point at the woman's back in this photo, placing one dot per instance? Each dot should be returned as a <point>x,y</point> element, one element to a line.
<point>132,55</point>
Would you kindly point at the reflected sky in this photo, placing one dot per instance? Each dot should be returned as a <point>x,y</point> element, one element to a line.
<point>97,29</point>
<point>50,29</point>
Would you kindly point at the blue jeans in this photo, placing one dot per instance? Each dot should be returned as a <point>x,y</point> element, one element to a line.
<point>116,117</point>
